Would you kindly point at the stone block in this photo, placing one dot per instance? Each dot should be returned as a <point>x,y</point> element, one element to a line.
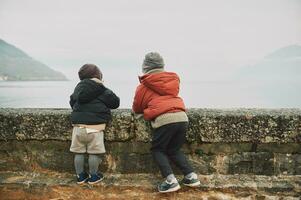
<point>288,164</point>
<point>260,163</point>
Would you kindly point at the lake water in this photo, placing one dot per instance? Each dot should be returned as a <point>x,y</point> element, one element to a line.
<point>227,94</point>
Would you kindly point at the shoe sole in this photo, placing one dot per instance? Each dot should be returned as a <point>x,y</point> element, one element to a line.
<point>193,184</point>
<point>82,182</point>
<point>92,183</point>
<point>171,190</point>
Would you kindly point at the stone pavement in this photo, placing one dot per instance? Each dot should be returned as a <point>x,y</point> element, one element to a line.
<point>53,185</point>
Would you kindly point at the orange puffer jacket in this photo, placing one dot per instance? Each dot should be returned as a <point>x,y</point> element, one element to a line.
<point>158,94</point>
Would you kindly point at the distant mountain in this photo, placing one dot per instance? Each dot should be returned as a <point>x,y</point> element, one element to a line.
<point>292,51</point>
<point>17,65</point>
<point>281,65</point>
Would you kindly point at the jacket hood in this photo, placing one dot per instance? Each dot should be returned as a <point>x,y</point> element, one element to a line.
<point>163,83</point>
<point>87,90</point>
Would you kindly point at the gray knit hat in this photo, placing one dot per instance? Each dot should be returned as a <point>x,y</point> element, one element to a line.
<point>152,60</point>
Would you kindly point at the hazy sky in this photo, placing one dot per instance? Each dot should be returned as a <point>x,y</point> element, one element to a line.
<point>205,39</point>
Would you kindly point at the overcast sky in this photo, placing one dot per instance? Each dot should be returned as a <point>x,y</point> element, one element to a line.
<point>206,39</point>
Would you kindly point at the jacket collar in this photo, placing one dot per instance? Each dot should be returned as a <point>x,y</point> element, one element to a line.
<point>97,80</point>
<point>153,71</point>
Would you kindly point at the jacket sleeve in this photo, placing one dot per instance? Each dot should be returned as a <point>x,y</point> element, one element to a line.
<point>72,101</point>
<point>110,99</point>
<point>137,104</point>
<point>87,94</point>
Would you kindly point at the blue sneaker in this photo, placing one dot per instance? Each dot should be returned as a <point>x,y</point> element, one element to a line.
<point>82,178</point>
<point>168,187</point>
<point>95,178</point>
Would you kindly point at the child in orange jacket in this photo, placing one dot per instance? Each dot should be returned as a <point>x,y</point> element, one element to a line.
<point>157,99</point>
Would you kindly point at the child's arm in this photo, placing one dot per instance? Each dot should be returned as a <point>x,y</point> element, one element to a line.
<point>72,101</point>
<point>137,104</point>
<point>110,99</point>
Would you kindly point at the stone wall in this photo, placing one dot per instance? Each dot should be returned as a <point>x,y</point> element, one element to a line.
<point>228,141</point>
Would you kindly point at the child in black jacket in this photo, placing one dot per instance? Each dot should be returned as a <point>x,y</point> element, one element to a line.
<point>91,102</point>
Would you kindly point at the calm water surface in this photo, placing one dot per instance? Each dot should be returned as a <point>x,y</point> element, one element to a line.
<point>228,94</point>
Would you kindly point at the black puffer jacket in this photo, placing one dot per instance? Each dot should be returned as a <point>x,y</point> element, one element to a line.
<point>91,103</point>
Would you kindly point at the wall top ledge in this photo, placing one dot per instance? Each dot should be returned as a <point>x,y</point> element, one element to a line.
<point>206,125</point>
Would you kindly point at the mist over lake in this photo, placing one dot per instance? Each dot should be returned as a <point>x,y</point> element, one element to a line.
<point>227,94</point>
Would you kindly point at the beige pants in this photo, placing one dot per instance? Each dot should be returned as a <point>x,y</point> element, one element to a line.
<point>90,142</point>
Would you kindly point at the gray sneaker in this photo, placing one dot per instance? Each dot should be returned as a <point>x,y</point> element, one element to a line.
<point>194,182</point>
<point>168,187</point>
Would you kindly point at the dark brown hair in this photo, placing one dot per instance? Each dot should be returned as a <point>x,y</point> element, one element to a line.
<point>89,71</point>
